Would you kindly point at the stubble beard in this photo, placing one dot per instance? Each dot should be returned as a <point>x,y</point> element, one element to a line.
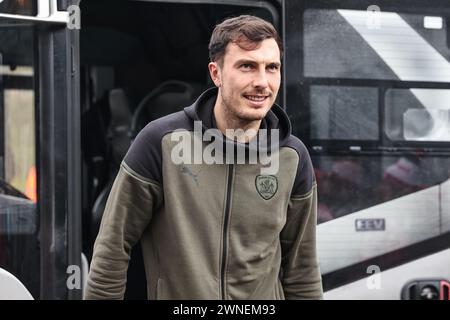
<point>232,114</point>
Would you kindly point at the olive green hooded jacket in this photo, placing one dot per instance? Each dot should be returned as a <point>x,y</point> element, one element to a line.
<point>210,231</point>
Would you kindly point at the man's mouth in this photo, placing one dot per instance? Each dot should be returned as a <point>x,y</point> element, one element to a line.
<point>256,98</point>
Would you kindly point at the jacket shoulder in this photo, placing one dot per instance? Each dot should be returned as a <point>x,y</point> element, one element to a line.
<point>145,153</point>
<point>304,178</point>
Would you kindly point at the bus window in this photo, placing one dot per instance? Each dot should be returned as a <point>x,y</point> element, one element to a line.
<point>417,114</point>
<point>334,114</point>
<point>22,7</point>
<point>400,48</point>
<point>19,139</point>
<point>19,248</point>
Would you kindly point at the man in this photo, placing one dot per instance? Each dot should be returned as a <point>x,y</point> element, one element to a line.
<point>224,230</point>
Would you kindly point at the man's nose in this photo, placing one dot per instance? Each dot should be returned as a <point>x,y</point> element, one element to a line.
<point>260,80</point>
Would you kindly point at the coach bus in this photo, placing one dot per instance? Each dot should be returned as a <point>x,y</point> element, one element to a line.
<point>366,85</point>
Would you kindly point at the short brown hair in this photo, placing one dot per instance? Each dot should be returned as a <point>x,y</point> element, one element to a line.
<point>246,31</point>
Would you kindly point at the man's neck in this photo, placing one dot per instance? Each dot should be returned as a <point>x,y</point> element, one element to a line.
<point>226,121</point>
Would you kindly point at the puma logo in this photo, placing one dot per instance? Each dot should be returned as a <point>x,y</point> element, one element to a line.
<point>185,170</point>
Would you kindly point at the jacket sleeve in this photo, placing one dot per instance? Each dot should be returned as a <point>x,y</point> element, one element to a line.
<point>128,211</point>
<point>300,272</point>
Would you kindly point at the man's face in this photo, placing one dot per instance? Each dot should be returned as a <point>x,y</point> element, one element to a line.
<point>248,80</point>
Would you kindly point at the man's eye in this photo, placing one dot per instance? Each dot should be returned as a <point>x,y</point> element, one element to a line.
<point>273,67</point>
<point>246,66</point>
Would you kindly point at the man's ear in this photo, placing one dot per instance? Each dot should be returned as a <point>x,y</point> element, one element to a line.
<point>214,72</point>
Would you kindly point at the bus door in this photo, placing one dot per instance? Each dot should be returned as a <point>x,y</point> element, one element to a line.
<point>140,60</point>
<point>368,91</point>
<point>39,215</point>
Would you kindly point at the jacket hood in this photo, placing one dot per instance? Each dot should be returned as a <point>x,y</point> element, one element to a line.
<point>275,119</point>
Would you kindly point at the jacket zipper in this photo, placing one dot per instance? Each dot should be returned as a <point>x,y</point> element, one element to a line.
<point>225,229</point>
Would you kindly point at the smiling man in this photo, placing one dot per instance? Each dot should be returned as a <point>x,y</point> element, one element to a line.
<point>223,230</point>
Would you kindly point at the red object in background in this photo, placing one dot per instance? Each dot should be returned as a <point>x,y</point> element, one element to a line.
<point>30,189</point>
<point>444,290</point>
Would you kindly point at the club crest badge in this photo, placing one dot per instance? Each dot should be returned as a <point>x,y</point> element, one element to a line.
<point>266,186</point>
